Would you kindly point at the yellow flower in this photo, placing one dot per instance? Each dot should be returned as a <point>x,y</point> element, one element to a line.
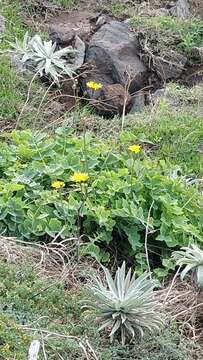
<point>79,177</point>
<point>135,148</point>
<point>57,184</point>
<point>94,86</point>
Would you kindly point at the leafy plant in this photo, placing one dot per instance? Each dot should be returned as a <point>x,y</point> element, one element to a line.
<point>44,57</point>
<point>125,304</point>
<point>110,209</point>
<point>192,258</point>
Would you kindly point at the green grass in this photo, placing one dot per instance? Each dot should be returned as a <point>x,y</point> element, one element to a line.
<point>27,299</point>
<point>14,85</point>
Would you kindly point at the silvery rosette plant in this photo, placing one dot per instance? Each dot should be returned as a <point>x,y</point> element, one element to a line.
<point>44,57</point>
<point>191,258</point>
<point>125,305</point>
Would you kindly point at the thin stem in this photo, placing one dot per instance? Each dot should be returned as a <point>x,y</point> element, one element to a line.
<point>132,173</point>
<point>146,238</point>
<point>27,99</point>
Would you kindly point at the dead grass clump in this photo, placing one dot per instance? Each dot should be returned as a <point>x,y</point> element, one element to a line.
<point>183,302</point>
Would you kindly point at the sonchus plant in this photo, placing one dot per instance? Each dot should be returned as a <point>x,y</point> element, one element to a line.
<point>125,305</point>
<point>192,258</point>
<point>45,59</point>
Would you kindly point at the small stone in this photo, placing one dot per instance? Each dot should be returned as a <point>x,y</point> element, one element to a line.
<point>158,95</point>
<point>18,64</point>
<point>101,20</point>
<point>55,108</point>
<point>170,66</point>
<point>138,103</point>
<point>80,53</point>
<point>181,9</point>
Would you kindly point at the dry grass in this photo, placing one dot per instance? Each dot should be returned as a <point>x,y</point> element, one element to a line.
<point>183,303</point>
<point>58,260</point>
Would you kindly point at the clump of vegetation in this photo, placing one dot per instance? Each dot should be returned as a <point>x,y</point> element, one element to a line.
<point>109,195</point>
<point>164,32</point>
<point>43,57</point>
<point>170,345</point>
<point>192,258</point>
<point>126,305</point>
<point>13,341</point>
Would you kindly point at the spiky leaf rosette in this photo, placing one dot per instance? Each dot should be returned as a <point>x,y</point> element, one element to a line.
<point>44,56</point>
<point>126,305</point>
<point>192,258</point>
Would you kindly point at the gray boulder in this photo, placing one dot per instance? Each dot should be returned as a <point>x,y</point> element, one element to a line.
<point>113,54</point>
<point>181,9</point>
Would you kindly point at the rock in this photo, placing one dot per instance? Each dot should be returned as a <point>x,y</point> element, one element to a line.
<point>65,27</point>
<point>18,64</point>
<point>111,100</point>
<point>170,67</point>
<point>80,54</point>
<point>138,103</point>
<point>55,108</point>
<point>197,54</point>
<point>101,20</point>
<point>114,53</point>
<point>181,9</point>
<point>2,24</point>
<point>158,95</point>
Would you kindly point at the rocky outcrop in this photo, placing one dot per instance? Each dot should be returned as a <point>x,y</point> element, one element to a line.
<point>113,54</point>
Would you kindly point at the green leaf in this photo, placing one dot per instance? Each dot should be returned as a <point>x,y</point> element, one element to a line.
<point>54,225</point>
<point>14,187</point>
<point>132,232</point>
<point>94,251</point>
